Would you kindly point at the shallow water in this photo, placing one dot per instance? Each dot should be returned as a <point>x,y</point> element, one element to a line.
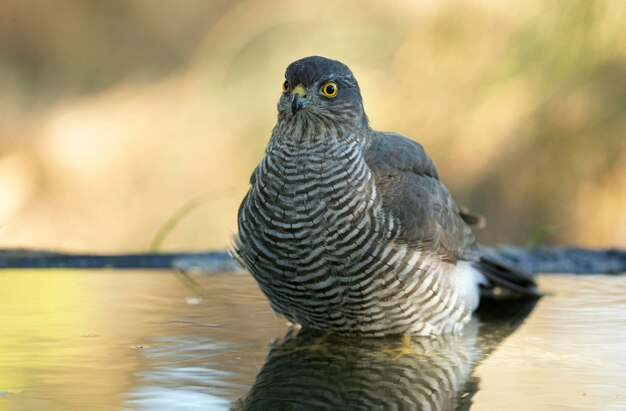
<point>145,340</point>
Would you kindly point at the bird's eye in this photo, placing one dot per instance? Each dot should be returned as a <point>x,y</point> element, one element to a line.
<point>285,86</point>
<point>329,89</point>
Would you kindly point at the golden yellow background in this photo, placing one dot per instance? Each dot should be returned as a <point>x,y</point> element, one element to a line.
<point>114,114</point>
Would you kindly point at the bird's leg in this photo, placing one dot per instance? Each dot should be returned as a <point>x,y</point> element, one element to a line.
<point>405,348</point>
<point>316,345</point>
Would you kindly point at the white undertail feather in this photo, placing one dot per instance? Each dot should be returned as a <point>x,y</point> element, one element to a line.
<point>467,280</point>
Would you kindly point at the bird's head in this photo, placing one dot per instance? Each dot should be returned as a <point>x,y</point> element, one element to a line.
<point>320,95</point>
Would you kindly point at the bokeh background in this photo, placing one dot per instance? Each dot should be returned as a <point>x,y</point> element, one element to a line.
<point>117,115</point>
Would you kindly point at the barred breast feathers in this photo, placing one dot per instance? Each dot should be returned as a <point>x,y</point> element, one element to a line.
<point>318,226</point>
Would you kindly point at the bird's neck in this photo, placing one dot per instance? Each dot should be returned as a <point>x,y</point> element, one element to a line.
<point>312,135</point>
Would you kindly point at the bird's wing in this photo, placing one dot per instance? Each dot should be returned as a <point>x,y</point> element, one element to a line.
<point>409,184</point>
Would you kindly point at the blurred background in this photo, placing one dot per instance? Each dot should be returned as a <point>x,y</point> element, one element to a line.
<point>117,115</point>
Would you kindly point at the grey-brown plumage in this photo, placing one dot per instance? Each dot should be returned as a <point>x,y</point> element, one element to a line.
<point>350,229</point>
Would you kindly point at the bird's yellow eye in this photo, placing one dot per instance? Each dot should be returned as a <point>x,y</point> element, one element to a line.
<point>285,86</point>
<point>329,89</point>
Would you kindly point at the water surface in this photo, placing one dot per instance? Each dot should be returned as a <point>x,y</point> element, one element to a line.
<point>146,341</point>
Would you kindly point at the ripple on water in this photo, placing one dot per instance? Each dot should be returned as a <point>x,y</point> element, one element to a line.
<point>143,340</point>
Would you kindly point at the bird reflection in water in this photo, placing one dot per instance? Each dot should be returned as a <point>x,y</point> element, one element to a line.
<point>308,370</point>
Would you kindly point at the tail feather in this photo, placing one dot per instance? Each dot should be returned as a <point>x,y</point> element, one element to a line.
<point>502,275</point>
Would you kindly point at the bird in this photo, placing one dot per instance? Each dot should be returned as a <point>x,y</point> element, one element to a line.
<point>302,371</point>
<point>347,373</point>
<point>350,230</point>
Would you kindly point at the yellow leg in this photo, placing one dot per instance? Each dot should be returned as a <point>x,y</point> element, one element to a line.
<point>405,348</point>
<point>316,345</point>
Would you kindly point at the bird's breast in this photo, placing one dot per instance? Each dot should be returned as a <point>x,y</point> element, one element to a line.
<point>308,206</point>
<point>314,234</point>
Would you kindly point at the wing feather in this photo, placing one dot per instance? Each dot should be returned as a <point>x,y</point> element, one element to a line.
<point>411,190</point>
<point>409,183</point>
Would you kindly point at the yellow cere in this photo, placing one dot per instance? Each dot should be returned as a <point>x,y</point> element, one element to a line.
<point>299,89</point>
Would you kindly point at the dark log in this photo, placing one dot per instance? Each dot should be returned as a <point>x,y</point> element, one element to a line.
<point>571,260</point>
<point>210,262</point>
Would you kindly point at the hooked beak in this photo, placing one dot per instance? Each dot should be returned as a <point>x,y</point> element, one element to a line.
<point>298,101</point>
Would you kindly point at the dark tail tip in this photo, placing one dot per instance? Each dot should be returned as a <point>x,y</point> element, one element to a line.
<point>505,279</point>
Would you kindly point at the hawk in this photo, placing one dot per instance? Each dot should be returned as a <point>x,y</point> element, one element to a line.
<point>350,230</point>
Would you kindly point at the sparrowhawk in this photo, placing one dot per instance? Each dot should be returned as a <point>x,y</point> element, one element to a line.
<point>349,229</point>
